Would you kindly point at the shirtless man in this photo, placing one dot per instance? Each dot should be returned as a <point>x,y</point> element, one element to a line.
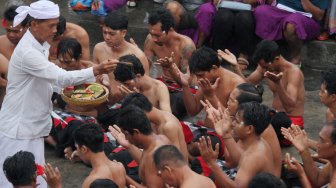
<point>115,46</point>
<point>163,40</point>
<point>136,132</point>
<point>252,119</point>
<point>247,92</point>
<point>328,93</point>
<point>89,142</point>
<point>164,123</point>
<point>174,170</point>
<point>215,81</point>
<point>284,79</point>
<point>67,30</point>
<point>13,34</point>
<point>325,150</point>
<point>133,78</point>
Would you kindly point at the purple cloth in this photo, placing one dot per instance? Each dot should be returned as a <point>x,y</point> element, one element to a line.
<point>204,18</point>
<point>270,22</point>
<point>114,4</point>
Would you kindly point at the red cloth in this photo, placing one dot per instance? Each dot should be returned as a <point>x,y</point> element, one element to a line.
<point>222,149</point>
<point>205,168</point>
<point>173,86</point>
<point>188,135</point>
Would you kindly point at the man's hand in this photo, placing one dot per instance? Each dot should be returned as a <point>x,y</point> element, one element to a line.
<point>3,82</point>
<point>273,77</point>
<point>297,136</point>
<point>104,79</point>
<point>119,136</point>
<point>293,165</point>
<point>127,91</point>
<point>105,67</point>
<point>223,123</point>
<point>229,57</point>
<point>179,77</point>
<point>166,62</point>
<point>208,154</point>
<point>208,88</point>
<point>52,176</point>
<point>210,111</point>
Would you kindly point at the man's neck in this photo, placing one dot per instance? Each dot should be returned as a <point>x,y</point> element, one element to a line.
<point>182,174</point>
<point>35,35</point>
<point>283,65</point>
<point>171,42</point>
<point>98,159</point>
<point>149,141</point>
<point>26,186</point>
<point>250,140</point>
<point>332,109</point>
<point>121,48</point>
<point>145,83</point>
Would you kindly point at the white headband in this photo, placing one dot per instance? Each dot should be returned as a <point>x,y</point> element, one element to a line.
<point>43,9</point>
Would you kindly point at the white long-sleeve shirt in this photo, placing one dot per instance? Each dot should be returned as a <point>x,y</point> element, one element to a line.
<point>25,112</point>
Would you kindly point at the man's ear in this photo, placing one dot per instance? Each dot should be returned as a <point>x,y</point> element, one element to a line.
<point>123,32</point>
<point>136,131</point>
<point>84,149</point>
<point>277,58</point>
<point>170,170</point>
<point>215,67</point>
<point>250,129</point>
<point>138,75</point>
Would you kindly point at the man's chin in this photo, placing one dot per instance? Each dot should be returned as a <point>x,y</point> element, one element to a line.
<point>159,43</point>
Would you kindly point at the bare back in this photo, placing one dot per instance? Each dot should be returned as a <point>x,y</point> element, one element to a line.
<point>256,158</point>
<point>270,137</point>
<point>147,170</point>
<point>198,181</point>
<point>112,170</point>
<point>293,82</point>
<point>172,128</point>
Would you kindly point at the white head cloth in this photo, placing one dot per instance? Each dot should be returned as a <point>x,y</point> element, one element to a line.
<point>42,9</point>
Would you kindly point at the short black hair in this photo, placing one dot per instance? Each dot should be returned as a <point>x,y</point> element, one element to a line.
<point>61,26</point>
<point>266,180</point>
<point>329,79</point>
<point>168,155</point>
<point>124,72</point>
<point>333,133</point>
<point>20,169</point>
<point>132,117</point>
<point>116,20</point>
<point>91,135</point>
<point>103,183</point>
<point>266,50</point>
<point>280,119</point>
<point>69,46</point>
<point>10,13</point>
<point>249,92</point>
<point>256,114</point>
<point>139,100</point>
<point>203,59</point>
<point>163,16</point>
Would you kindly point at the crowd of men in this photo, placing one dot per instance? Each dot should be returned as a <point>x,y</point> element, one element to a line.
<point>139,138</point>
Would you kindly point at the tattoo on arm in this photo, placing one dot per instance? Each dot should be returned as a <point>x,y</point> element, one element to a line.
<point>186,54</point>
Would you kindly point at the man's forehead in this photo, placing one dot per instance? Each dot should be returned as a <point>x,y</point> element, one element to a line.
<point>155,28</point>
<point>108,29</point>
<point>9,25</point>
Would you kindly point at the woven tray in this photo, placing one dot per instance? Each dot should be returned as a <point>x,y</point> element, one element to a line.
<point>86,102</point>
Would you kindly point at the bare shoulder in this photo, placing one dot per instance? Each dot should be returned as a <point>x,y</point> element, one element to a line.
<point>76,31</point>
<point>198,181</point>
<point>88,180</point>
<point>99,46</point>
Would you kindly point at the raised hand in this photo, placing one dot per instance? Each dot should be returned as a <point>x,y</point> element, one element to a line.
<point>297,136</point>
<point>228,56</point>
<point>179,77</point>
<point>52,176</point>
<point>119,136</point>
<point>293,165</point>
<point>105,67</point>
<point>211,111</point>
<point>208,88</point>
<point>208,154</point>
<point>273,77</point>
<point>166,62</point>
<point>223,123</point>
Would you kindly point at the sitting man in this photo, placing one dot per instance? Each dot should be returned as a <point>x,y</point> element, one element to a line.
<point>13,34</point>
<point>22,171</point>
<point>67,30</point>
<point>252,119</point>
<point>197,26</point>
<point>136,132</point>
<point>284,79</point>
<point>115,46</point>
<point>216,82</point>
<point>325,150</point>
<point>328,93</point>
<point>163,122</point>
<point>133,78</point>
<point>174,170</point>
<point>163,41</point>
<point>297,26</point>
<point>89,141</point>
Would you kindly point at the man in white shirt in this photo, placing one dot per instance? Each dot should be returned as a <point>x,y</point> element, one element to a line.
<point>25,113</point>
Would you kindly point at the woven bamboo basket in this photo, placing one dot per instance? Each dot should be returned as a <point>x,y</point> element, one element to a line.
<point>86,102</point>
